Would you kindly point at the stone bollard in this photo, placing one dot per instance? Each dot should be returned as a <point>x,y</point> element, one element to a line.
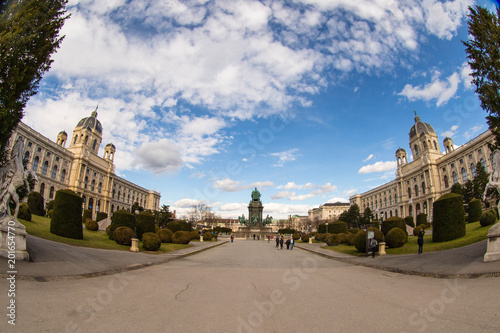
<point>381,249</point>
<point>493,247</point>
<point>310,240</point>
<point>135,245</point>
<point>201,239</point>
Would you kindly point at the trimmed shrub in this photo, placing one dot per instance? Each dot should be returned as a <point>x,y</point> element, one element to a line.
<point>448,218</point>
<point>409,221</point>
<point>286,231</point>
<point>156,228</point>
<point>475,210</point>
<point>49,213</point>
<point>145,223</point>
<point>151,241</point>
<point>342,238</point>
<point>66,220</point>
<point>207,236</point>
<point>353,230</point>
<point>320,237</point>
<point>305,238</point>
<point>392,222</point>
<point>123,235</point>
<point>350,239</point>
<point>87,214</point>
<point>296,236</point>
<point>165,235</point>
<point>24,212</point>
<point>360,239</point>
<point>49,205</point>
<point>121,218</point>
<point>100,216</point>
<point>108,231</point>
<point>417,230</point>
<point>422,219</point>
<point>423,226</point>
<point>395,238</point>
<point>337,227</point>
<point>181,237</point>
<point>174,226</point>
<point>194,235</point>
<point>35,202</point>
<point>91,225</point>
<point>332,239</point>
<point>489,217</point>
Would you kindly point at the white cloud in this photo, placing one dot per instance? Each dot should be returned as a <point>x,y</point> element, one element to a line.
<point>282,194</point>
<point>473,131</point>
<point>230,185</point>
<point>160,156</point>
<point>285,156</point>
<point>336,199</point>
<point>368,158</point>
<point>378,167</point>
<point>465,74</point>
<point>233,207</point>
<point>436,90</point>
<point>187,203</point>
<point>278,210</point>
<point>451,132</point>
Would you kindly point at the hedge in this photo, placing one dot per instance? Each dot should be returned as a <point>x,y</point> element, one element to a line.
<point>181,237</point>
<point>24,212</point>
<point>145,223</point>
<point>101,216</point>
<point>121,218</point>
<point>336,227</point>
<point>422,219</point>
<point>448,218</point>
<point>392,222</point>
<point>123,235</point>
<point>409,221</point>
<point>87,214</point>
<point>475,210</point>
<point>35,202</point>
<point>66,220</point>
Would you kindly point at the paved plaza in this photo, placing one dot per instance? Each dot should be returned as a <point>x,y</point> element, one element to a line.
<point>250,286</point>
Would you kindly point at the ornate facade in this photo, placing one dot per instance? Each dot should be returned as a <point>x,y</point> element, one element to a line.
<point>328,211</point>
<point>429,176</point>
<point>80,169</point>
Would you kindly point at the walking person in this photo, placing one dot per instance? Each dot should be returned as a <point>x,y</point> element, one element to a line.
<point>281,243</point>
<point>420,241</point>
<point>277,242</point>
<point>291,243</point>
<point>287,244</point>
<point>232,238</point>
<point>373,245</point>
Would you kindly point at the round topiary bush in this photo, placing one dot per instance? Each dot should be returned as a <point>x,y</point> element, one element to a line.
<point>35,202</point>
<point>305,238</point>
<point>165,235</point>
<point>87,214</point>
<point>181,237</point>
<point>395,238</point>
<point>320,237</point>
<point>417,230</point>
<point>360,239</point>
<point>91,225</point>
<point>49,213</point>
<point>350,239</point>
<point>157,228</point>
<point>409,221</point>
<point>475,210</point>
<point>108,231</point>
<point>392,222</point>
<point>24,212</point>
<point>487,218</point>
<point>448,218</point>
<point>296,237</point>
<point>194,235</point>
<point>121,218</point>
<point>151,241</point>
<point>66,220</point>
<point>332,240</point>
<point>207,236</point>
<point>174,226</point>
<point>123,235</point>
<point>342,238</point>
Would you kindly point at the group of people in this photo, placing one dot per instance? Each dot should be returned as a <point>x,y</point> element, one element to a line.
<point>280,239</point>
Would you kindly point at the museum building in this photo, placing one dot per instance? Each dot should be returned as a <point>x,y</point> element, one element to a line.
<point>80,169</point>
<point>430,175</point>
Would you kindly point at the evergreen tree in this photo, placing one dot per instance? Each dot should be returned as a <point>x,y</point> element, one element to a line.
<point>483,52</point>
<point>480,180</point>
<point>468,191</point>
<point>163,217</point>
<point>354,216</point>
<point>457,189</point>
<point>29,34</point>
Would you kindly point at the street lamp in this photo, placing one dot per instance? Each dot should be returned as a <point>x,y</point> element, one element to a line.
<point>135,242</point>
<point>326,227</point>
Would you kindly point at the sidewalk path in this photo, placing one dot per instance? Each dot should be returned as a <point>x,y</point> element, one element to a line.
<point>461,262</point>
<point>51,260</point>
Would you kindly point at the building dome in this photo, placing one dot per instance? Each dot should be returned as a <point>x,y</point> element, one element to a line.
<point>110,145</point>
<point>63,133</point>
<point>420,128</point>
<point>91,122</point>
<point>400,150</point>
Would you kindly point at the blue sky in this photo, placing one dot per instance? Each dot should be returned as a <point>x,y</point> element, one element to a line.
<point>306,100</point>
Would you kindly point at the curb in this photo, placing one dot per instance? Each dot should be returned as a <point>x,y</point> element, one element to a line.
<point>131,267</point>
<point>405,272</point>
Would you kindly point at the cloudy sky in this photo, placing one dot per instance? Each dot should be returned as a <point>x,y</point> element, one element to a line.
<point>305,100</point>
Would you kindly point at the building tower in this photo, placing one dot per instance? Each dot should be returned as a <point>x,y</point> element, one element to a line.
<point>401,157</point>
<point>61,138</point>
<point>448,145</point>
<point>423,139</point>
<point>88,133</point>
<point>109,152</point>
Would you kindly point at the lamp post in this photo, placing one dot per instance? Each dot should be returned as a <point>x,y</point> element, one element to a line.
<point>135,241</point>
<point>326,228</point>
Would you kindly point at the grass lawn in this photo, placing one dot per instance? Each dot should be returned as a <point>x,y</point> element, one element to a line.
<point>474,233</point>
<point>40,227</point>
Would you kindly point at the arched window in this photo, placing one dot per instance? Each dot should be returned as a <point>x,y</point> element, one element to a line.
<point>85,182</point>
<point>381,203</point>
<point>86,139</point>
<point>51,193</point>
<point>396,212</point>
<point>416,150</point>
<point>84,201</point>
<point>92,185</point>
<point>45,167</point>
<point>113,194</point>
<point>35,164</point>
<point>112,208</point>
<point>410,210</point>
<point>94,144</point>
<point>396,200</point>
<point>99,187</point>
<point>416,190</point>
<point>63,175</point>
<point>455,177</point>
<point>26,156</point>
<point>390,200</point>
<point>417,209</point>
<point>446,183</point>
<point>385,202</point>
<point>435,145</point>
<point>425,145</point>
<point>409,193</point>
<point>423,188</point>
<point>76,138</point>
<point>54,172</point>
<point>425,207</point>
<point>482,162</point>
<point>42,188</point>
<point>473,169</point>
<point>91,204</point>
<point>464,174</point>
<point>118,195</point>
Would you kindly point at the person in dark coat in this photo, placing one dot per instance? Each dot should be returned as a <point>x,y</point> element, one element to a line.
<point>281,243</point>
<point>277,242</point>
<point>288,244</point>
<point>420,241</point>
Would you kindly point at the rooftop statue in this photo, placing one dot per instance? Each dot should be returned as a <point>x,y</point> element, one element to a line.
<point>255,195</point>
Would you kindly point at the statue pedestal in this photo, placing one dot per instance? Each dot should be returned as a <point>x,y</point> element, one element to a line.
<point>135,245</point>
<point>493,249</point>
<point>13,239</point>
<point>248,232</point>
<point>381,249</point>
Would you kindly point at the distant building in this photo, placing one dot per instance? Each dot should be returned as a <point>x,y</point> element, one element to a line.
<point>300,223</point>
<point>328,211</point>
<point>80,169</point>
<point>429,176</point>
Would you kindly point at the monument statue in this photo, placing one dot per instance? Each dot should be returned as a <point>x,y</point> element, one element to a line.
<point>255,225</point>
<point>255,195</point>
<point>242,220</point>
<point>267,220</point>
<point>12,177</point>
<point>493,245</point>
